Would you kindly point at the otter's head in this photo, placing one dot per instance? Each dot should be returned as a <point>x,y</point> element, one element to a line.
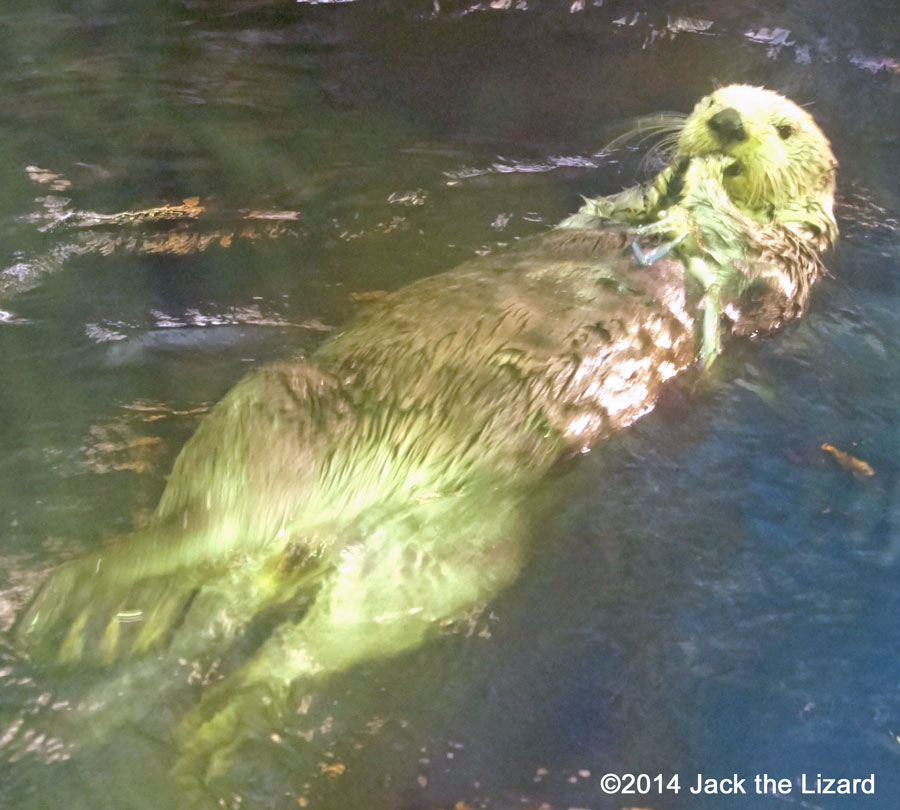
<point>783,161</point>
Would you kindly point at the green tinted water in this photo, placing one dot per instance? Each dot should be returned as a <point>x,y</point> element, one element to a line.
<point>715,596</point>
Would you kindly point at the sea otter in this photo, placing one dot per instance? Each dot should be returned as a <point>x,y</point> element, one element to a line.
<point>377,490</point>
<point>746,200</point>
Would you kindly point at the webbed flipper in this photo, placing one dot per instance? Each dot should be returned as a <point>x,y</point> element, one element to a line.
<point>413,571</point>
<point>108,606</point>
<point>108,602</point>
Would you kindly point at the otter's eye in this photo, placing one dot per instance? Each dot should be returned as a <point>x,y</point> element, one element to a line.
<point>784,131</point>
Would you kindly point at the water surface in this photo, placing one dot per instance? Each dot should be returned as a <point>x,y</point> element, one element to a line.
<point>714,594</point>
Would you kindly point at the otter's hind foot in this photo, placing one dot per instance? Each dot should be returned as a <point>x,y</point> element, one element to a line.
<point>230,714</point>
<point>80,615</point>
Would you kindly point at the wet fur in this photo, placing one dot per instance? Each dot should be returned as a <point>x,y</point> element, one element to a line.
<point>389,474</point>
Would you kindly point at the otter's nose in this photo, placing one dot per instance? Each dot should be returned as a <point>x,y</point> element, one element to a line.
<point>727,126</point>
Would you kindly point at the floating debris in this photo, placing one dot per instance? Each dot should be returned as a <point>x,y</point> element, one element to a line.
<point>848,462</point>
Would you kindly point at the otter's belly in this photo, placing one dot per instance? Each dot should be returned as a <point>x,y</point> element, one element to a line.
<point>490,372</point>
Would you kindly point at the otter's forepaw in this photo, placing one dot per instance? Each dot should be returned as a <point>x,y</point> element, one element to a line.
<point>230,714</point>
<point>673,223</point>
<point>711,343</point>
<point>659,252</point>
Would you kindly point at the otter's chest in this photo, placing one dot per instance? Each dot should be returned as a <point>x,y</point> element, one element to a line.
<point>577,339</point>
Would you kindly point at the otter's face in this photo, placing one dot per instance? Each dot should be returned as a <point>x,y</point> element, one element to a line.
<point>782,157</point>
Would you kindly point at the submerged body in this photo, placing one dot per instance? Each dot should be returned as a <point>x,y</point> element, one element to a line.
<point>388,475</point>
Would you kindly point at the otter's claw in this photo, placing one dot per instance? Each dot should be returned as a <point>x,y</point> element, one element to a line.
<point>659,252</point>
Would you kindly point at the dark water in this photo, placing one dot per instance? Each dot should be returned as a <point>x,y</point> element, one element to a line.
<point>715,596</point>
